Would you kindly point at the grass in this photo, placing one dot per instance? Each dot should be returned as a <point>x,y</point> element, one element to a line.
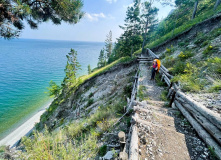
<point>163,95</point>
<point>190,23</point>
<point>102,150</point>
<point>212,153</point>
<point>141,93</point>
<point>76,140</point>
<point>216,87</point>
<point>209,50</point>
<point>63,97</point>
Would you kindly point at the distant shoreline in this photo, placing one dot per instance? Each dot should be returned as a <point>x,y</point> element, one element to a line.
<point>23,130</point>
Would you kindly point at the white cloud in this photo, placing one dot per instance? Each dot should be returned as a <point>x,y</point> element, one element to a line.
<point>111,1</point>
<point>94,16</point>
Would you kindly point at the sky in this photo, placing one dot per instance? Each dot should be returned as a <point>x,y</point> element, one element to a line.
<point>101,16</point>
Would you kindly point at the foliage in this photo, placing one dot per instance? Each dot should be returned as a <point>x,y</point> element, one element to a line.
<point>101,59</point>
<point>128,89</point>
<point>189,79</point>
<point>71,69</point>
<point>148,20</point>
<point>54,89</point>
<point>159,82</point>
<point>108,45</point>
<point>89,69</point>
<point>90,102</point>
<point>178,67</point>
<point>102,150</point>
<point>185,55</point>
<point>212,153</point>
<point>103,125</point>
<point>76,140</point>
<point>214,65</point>
<point>216,87</point>
<point>169,30</point>
<point>141,92</point>
<point>90,95</point>
<point>14,13</point>
<point>168,61</point>
<point>209,50</point>
<point>163,95</point>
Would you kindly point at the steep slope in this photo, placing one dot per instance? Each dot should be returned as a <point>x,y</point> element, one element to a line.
<point>194,58</point>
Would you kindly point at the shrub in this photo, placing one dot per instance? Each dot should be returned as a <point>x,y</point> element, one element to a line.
<point>163,95</point>
<point>102,150</point>
<point>216,86</point>
<point>168,60</point>
<point>141,93</point>
<point>179,67</point>
<point>159,82</point>
<point>91,95</point>
<point>208,50</point>
<point>185,55</point>
<point>205,43</point>
<point>128,90</point>
<point>90,102</point>
<point>214,65</point>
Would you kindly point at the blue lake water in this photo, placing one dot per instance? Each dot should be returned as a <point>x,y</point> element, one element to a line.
<point>27,66</point>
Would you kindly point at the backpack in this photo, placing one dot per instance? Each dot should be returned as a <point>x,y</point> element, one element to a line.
<point>158,64</point>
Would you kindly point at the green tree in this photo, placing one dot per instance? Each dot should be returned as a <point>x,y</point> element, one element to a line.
<point>15,12</point>
<point>131,27</point>
<point>54,89</point>
<point>148,19</point>
<point>71,69</point>
<point>108,45</point>
<point>101,59</point>
<point>89,69</point>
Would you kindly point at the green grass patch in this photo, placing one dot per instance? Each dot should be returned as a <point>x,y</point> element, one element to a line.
<point>209,50</point>
<point>185,55</point>
<point>102,150</point>
<point>216,87</point>
<point>141,92</point>
<point>163,95</point>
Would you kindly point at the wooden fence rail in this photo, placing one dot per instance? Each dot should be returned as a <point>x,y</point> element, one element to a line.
<point>206,123</point>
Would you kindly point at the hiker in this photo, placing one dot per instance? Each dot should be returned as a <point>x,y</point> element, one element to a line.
<point>154,69</point>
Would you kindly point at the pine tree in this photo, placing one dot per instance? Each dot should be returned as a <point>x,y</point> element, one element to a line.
<point>71,69</point>
<point>101,59</point>
<point>89,69</point>
<point>148,20</point>
<point>14,13</point>
<point>108,45</point>
<point>131,38</point>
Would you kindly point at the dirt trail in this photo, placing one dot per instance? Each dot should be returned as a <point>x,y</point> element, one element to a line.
<point>163,133</point>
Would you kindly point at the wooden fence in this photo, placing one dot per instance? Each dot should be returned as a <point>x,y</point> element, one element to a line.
<point>206,123</point>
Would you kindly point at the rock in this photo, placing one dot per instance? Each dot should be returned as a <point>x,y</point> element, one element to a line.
<point>108,155</point>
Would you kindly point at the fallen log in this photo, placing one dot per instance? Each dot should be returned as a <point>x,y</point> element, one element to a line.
<point>133,153</point>
<point>200,130</point>
<point>213,130</point>
<point>210,115</point>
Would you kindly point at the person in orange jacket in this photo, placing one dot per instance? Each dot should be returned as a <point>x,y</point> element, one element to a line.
<point>154,69</point>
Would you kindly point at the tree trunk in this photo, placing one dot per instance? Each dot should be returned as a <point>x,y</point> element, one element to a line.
<point>195,9</point>
<point>217,4</point>
<point>144,38</point>
<point>131,52</point>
